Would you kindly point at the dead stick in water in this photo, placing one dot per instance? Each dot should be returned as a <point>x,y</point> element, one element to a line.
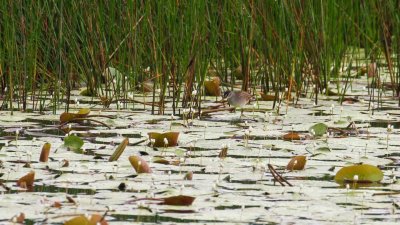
<point>277,176</point>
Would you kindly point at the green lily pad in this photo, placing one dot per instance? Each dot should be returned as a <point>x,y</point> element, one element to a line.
<point>319,129</point>
<point>180,152</point>
<point>323,149</point>
<point>340,122</point>
<point>74,143</point>
<point>363,173</point>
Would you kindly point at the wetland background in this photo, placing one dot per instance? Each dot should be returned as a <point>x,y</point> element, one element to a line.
<point>124,69</point>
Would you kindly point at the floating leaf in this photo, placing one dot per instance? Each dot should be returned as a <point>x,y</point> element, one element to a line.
<point>139,164</point>
<point>180,152</point>
<point>297,163</point>
<point>79,220</point>
<point>340,122</point>
<point>291,136</point>
<point>19,219</point>
<point>172,138</point>
<point>212,87</point>
<point>74,143</point>
<point>27,180</point>
<point>223,153</point>
<point>83,220</point>
<point>65,163</point>
<point>56,205</point>
<point>180,200</point>
<point>84,112</point>
<point>188,176</point>
<point>66,116</point>
<point>265,97</point>
<point>160,161</point>
<point>323,149</point>
<point>44,155</point>
<point>319,129</point>
<point>71,200</point>
<point>118,151</point>
<point>365,174</point>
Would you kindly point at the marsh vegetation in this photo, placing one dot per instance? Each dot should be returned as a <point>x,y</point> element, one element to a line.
<point>112,112</point>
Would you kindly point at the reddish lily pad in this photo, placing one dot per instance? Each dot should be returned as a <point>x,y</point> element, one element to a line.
<point>27,180</point>
<point>291,136</point>
<point>179,200</point>
<point>140,165</point>
<point>266,97</point>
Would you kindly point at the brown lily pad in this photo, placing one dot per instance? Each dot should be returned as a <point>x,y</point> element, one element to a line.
<point>297,163</point>
<point>171,137</point>
<point>27,180</point>
<point>223,153</point>
<point>188,176</point>
<point>291,136</point>
<point>212,87</point>
<point>140,165</point>
<point>179,200</point>
<point>119,150</point>
<point>67,116</point>
<point>266,97</point>
<point>44,155</point>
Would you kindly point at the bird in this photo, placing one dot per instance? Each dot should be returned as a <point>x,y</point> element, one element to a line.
<point>238,99</point>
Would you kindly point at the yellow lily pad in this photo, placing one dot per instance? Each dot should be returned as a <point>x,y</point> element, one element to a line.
<point>212,87</point>
<point>359,173</point>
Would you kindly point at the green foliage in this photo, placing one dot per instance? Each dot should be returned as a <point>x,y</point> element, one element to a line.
<point>318,129</point>
<point>359,173</point>
<point>74,143</point>
<point>50,47</point>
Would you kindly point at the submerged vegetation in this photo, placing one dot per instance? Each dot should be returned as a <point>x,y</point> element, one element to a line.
<point>117,48</point>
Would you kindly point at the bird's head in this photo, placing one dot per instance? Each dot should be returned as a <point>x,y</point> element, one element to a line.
<point>226,93</point>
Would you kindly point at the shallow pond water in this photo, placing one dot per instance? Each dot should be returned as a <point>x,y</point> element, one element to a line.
<point>238,189</point>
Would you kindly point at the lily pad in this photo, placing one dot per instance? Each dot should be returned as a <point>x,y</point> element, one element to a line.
<point>140,165</point>
<point>297,163</point>
<point>91,220</point>
<point>180,200</point>
<point>67,116</point>
<point>318,129</point>
<point>119,150</point>
<point>74,143</point>
<point>265,97</point>
<point>359,173</point>
<point>27,180</point>
<point>212,87</point>
<point>291,136</point>
<point>44,155</point>
<point>171,137</point>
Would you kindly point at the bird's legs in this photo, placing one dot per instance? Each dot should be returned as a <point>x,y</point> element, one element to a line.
<point>241,113</point>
